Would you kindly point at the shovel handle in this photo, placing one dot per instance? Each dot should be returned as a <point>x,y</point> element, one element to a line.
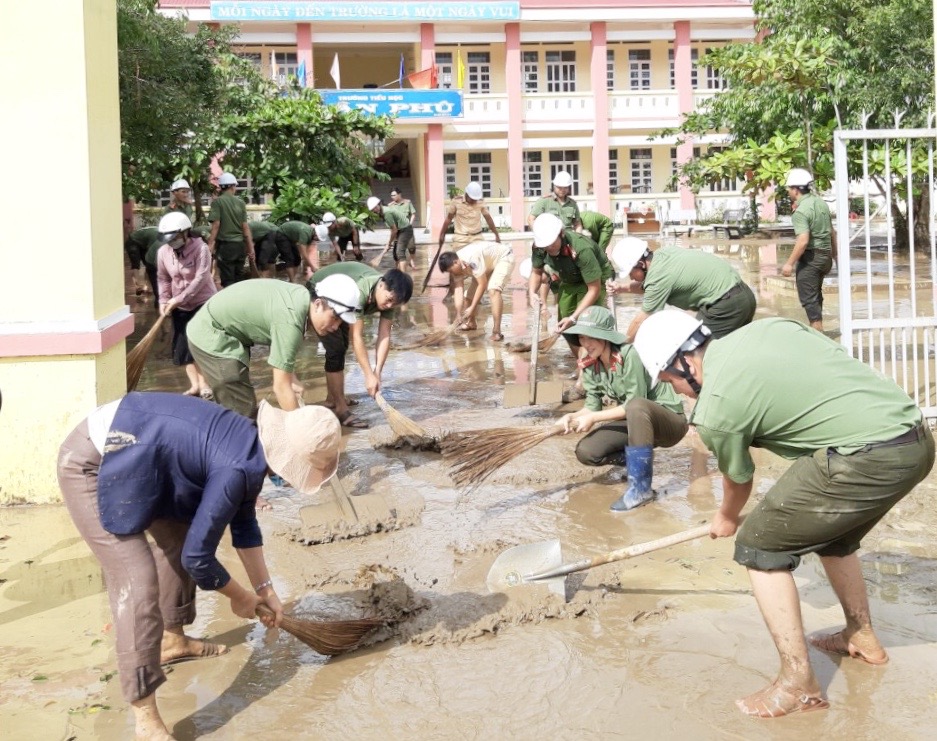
<point>534,353</point>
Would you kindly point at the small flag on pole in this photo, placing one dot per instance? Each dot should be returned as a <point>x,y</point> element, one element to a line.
<point>301,73</point>
<point>402,72</point>
<point>425,79</point>
<point>336,73</point>
<point>460,72</point>
<point>274,70</point>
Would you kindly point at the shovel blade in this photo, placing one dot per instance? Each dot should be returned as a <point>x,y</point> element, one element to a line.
<point>322,517</point>
<point>516,395</point>
<point>510,567</point>
<point>550,392</point>
<point>372,508</point>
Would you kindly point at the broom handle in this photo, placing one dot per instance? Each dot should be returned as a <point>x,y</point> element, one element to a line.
<point>621,554</point>
<point>534,352</point>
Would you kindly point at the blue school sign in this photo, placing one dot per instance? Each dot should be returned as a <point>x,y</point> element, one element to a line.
<point>402,104</point>
<point>305,12</point>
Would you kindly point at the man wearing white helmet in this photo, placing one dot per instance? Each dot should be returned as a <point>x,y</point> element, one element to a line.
<point>686,279</point>
<point>465,214</point>
<point>264,312</point>
<point>180,199</point>
<point>859,445</point>
<point>815,247</point>
<point>401,238</point>
<point>341,231</point>
<point>185,282</point>
<point>230,240</point>
<point>559,203</point>
<point>491,265</point>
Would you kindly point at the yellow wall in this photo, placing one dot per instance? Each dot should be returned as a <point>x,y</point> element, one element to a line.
<point>61,130</point>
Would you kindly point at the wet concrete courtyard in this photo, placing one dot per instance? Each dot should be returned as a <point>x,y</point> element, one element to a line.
<point>655,647</point>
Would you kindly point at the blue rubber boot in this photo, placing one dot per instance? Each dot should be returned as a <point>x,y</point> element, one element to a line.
<point>640,471</point>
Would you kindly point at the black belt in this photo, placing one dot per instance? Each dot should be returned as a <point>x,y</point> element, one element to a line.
<point>911,436</point>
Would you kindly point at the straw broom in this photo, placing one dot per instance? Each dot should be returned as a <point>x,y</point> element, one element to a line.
<point>474,455</point>
<point>433,338</point>
<point>545,344</point>
<point>327,637</point>
<point>136,358</point>
<point>401,425</point>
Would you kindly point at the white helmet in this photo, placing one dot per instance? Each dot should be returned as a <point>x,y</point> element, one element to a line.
<point>328,218</point>
<point>227,179</point>
<point>180,184</point>
<point>322,232</point>
<point>474,191</point>
<point>547,228</point>
<point>525,268</point>
<point>173,223</point>
<point>798,178</point>
<point>627,252</point>
<point>563,179</point>
<point>662,335</point>
<point>373,202</point>
<point>341,293</point>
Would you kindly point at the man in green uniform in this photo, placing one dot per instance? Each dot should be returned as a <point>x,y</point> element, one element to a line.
<point>342,231</point>
<point>180,200</point>
<point>687,279</point>
<point>642,418</point>
<point>858,443</point>
<point>230,239</point>
<point>296,240</point>
<point>136,246</point>
<point>815,248</point>
<point>264,312</point>
<point>379,294</point>
<point>401,233</point>
<point>558,203</point>
<point>599,227</point>
<point>403,204</point>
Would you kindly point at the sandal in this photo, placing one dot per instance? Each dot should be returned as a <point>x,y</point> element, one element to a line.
<point>207,394</point>
<point>350,420</point>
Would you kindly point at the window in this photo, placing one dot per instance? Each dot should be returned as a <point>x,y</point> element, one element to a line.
<point>286,65</point>
<point>531,68</point>
<point>639,69</point>
<point>673,159</point>
<point>480,170</point>
<point>448,162</point>
<point>568,160</point>
<point>444,69</point>
<point>714,80</point>
<point>610,69</point>
<point>641,171</point>
<point>561,71</point>
<point>478,70</point>
<point>612,170</point>
<point>694,76</point>
<point>533,174</point>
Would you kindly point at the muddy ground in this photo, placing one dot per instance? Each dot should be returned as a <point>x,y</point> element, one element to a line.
<point>655,647</point>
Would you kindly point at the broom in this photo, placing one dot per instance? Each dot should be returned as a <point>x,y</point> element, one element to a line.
<point>401,425</point>
<point>543,346</point>
<point>327,637</point>
<point>433,338</point>
<point>474,455</point>
<point>136,358</point>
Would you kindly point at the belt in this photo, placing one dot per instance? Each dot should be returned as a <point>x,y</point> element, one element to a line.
<point>737,288</point>
<point>911,436</point>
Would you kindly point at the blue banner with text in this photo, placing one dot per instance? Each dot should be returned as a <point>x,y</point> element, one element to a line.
<point>402,104</point>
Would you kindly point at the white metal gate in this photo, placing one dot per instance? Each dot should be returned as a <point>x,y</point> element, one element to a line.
<point>887,297</point>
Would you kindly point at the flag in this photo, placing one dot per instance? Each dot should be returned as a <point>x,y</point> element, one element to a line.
<point>459,72</point>
<point>402,72</point>
<point>425,79</point>
<point>301,73</point>
<point>336,74</point>
<point>274,71</point>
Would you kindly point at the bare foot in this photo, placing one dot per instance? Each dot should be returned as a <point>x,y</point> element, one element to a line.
<point>863,645</point>
<point>262,504</point>
<point>777,700</point>
<point>192,391</point>
<point>176,648</point>
<point>467,326</point>
<point>496,337</point>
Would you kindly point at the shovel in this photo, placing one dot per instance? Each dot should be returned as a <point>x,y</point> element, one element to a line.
<point>345,510</point>
<point>521,394</point>
<point>543,562</point>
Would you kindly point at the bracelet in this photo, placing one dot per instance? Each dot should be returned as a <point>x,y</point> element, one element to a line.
<point>261,587</point>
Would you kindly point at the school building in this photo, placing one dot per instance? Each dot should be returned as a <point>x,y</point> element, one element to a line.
<point>523,89</point>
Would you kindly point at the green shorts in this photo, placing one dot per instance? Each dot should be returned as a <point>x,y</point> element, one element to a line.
<point>567,299</point>
<point>827,502</point>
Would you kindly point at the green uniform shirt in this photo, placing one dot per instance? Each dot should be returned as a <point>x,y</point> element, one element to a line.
<point>253,312</point>
<point>344,227</point>
<point>261,229</point>
<point>580,261</point>
<point>395,217</point>
<point>568,211</point>
<point>627,379</point>
<point>779,385</point>
<point>142,238</point>
<point>364,276</point>
<point>297,232</point>
<point>232,213</point>
<point>813,215</point>
<point>687,279</point>
<point>406,208</point>
<point>188,209</point>
<point>599,226</point>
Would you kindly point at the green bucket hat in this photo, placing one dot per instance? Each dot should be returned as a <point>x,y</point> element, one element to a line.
<point>598,322</point>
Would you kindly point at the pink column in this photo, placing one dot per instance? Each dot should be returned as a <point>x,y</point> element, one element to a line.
<point>603,201</point>
<point>435,177</point>
<point>682,72</point>
<point>427,45</point>
<point>512,73</point>
<point>304,51</point>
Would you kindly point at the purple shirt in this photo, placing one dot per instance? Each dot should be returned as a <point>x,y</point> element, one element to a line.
<point>185,275</point>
